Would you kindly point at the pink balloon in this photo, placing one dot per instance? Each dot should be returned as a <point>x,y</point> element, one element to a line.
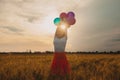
<point>63,15</point>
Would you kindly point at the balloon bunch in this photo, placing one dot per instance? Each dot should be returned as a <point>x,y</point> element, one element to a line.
<point>68,18</point>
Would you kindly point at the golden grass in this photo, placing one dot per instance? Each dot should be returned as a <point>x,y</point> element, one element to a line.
<point>37,66</point>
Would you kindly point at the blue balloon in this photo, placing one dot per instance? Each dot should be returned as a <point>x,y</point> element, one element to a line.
<point>57,21</point>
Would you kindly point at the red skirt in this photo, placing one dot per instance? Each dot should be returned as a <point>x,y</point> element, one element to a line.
<point>60,65</point>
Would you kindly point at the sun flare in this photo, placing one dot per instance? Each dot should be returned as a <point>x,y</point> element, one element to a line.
<point>63,27</point>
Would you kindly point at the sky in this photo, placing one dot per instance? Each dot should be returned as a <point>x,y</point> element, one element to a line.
<point>28,24</point>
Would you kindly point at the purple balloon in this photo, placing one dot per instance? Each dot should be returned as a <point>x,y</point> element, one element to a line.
<point>71,14</point>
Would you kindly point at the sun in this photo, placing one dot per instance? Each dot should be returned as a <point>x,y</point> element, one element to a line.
<point>63,27</point>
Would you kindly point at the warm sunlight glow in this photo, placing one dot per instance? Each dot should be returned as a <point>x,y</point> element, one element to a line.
<point>63,27</point>
<point>48,24</point>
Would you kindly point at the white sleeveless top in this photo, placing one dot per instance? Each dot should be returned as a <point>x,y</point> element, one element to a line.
<point>59,44</point>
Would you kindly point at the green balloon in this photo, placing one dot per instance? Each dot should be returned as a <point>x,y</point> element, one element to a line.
<point>57,21</point>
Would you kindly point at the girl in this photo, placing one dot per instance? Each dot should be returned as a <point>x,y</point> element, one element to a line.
<point>60,67</point>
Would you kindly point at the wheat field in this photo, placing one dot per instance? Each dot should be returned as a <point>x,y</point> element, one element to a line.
<point>37,66</point>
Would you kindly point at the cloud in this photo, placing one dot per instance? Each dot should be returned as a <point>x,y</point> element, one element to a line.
<point>26,9</point>
<point>30,18</point>
<point>11,29</point>
<point>116,38</point>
